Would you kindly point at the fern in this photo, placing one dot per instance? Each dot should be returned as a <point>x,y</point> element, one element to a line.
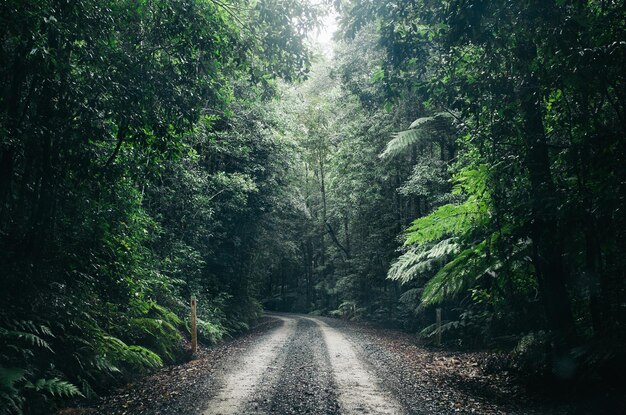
<point>401,141</point>
<point>445,221</point>
<point>433,329</point>
<point>210,332</point>
<point>55,387</point>
<point>104,365</point>
<point>135,356</point>
<point>416,262</point>
<point>11,403</point>
<point>457,275</point>
<point>13,382</point>
<point>9,377</point>
<point>421,129</point>
<point>30,338</point>
<point>144,357</point>
<point>167,314</point>
<point>26,331</point>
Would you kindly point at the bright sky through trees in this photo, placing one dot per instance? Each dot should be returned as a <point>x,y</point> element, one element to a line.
<point>323,36</point>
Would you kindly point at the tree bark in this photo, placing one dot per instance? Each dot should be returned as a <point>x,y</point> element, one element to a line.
<point>545,232</point>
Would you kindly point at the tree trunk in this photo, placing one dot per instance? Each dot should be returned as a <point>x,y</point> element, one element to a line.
<point>545,232</point>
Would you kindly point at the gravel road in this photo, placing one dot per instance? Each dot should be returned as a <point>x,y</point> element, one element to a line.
<point>305,366</point>
<point>296,364</point>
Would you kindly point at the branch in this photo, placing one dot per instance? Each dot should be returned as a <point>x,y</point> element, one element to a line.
<point>120,136</point>
<point>216,194</point>
<point>331,232</point>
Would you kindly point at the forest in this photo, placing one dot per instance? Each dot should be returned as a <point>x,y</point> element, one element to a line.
<point>461,155</point>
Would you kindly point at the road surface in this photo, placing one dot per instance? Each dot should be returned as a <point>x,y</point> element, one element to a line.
<point>303,366</point>
<point>300,364</point>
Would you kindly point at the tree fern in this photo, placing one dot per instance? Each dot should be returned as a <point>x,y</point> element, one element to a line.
<point>401,141</point>
<point>456,275</point>
<point>446,220</point>
<point>417,261</point>
<point>421,129</point>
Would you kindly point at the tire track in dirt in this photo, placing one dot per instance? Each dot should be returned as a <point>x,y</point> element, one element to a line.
<point>242,380</point>
<point>304,384</point>
<point>358,388</point>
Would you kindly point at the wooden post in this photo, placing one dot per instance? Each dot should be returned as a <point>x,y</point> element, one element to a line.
<point>438,314</point>
<point>194,331</point>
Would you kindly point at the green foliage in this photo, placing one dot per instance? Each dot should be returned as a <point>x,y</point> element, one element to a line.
<point>418,262</point>
<point>209,332</point>
<point>536,132</point>
<point>14,385</point>
<point>55,387</point>
<point>457,275</point>
<point>144,159</point>
<point>421,130</point>
<point>139,157</point>
<point>23,339</point>
<point>447,220</point>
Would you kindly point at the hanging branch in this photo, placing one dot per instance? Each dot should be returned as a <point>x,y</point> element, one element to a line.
<point>120,137</point>
<point>331,232</point>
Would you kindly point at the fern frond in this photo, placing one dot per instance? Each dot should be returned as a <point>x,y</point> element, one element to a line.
<point>9,377</point>
<point>421,129</point>
<point>30,338</point>
<point>145,357</point>
<point>402,141</point>
<point>11,403</point>
<point>446,220</point>
<point>416,262</point>
<point>456,275</point>
<point>434,329</point>
<point>103,364</point>
<point>55,387</point>
<point>210,332</point>
<point>136,356</point>
<point>167,315</point>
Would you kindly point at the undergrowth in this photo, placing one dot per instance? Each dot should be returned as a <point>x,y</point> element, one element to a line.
<point>43,363</point>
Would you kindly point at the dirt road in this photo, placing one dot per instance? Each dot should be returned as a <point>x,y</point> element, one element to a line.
<point>304,366</point>
<point>295,364</point>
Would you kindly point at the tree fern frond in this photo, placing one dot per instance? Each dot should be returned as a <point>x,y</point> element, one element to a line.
<point>408,266</point>
<point>421,121</point>
<point>420,129</point>
<point>456,275</point>
<point>448,219</point>
<point>414,262</point>
<point>402,141</point>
